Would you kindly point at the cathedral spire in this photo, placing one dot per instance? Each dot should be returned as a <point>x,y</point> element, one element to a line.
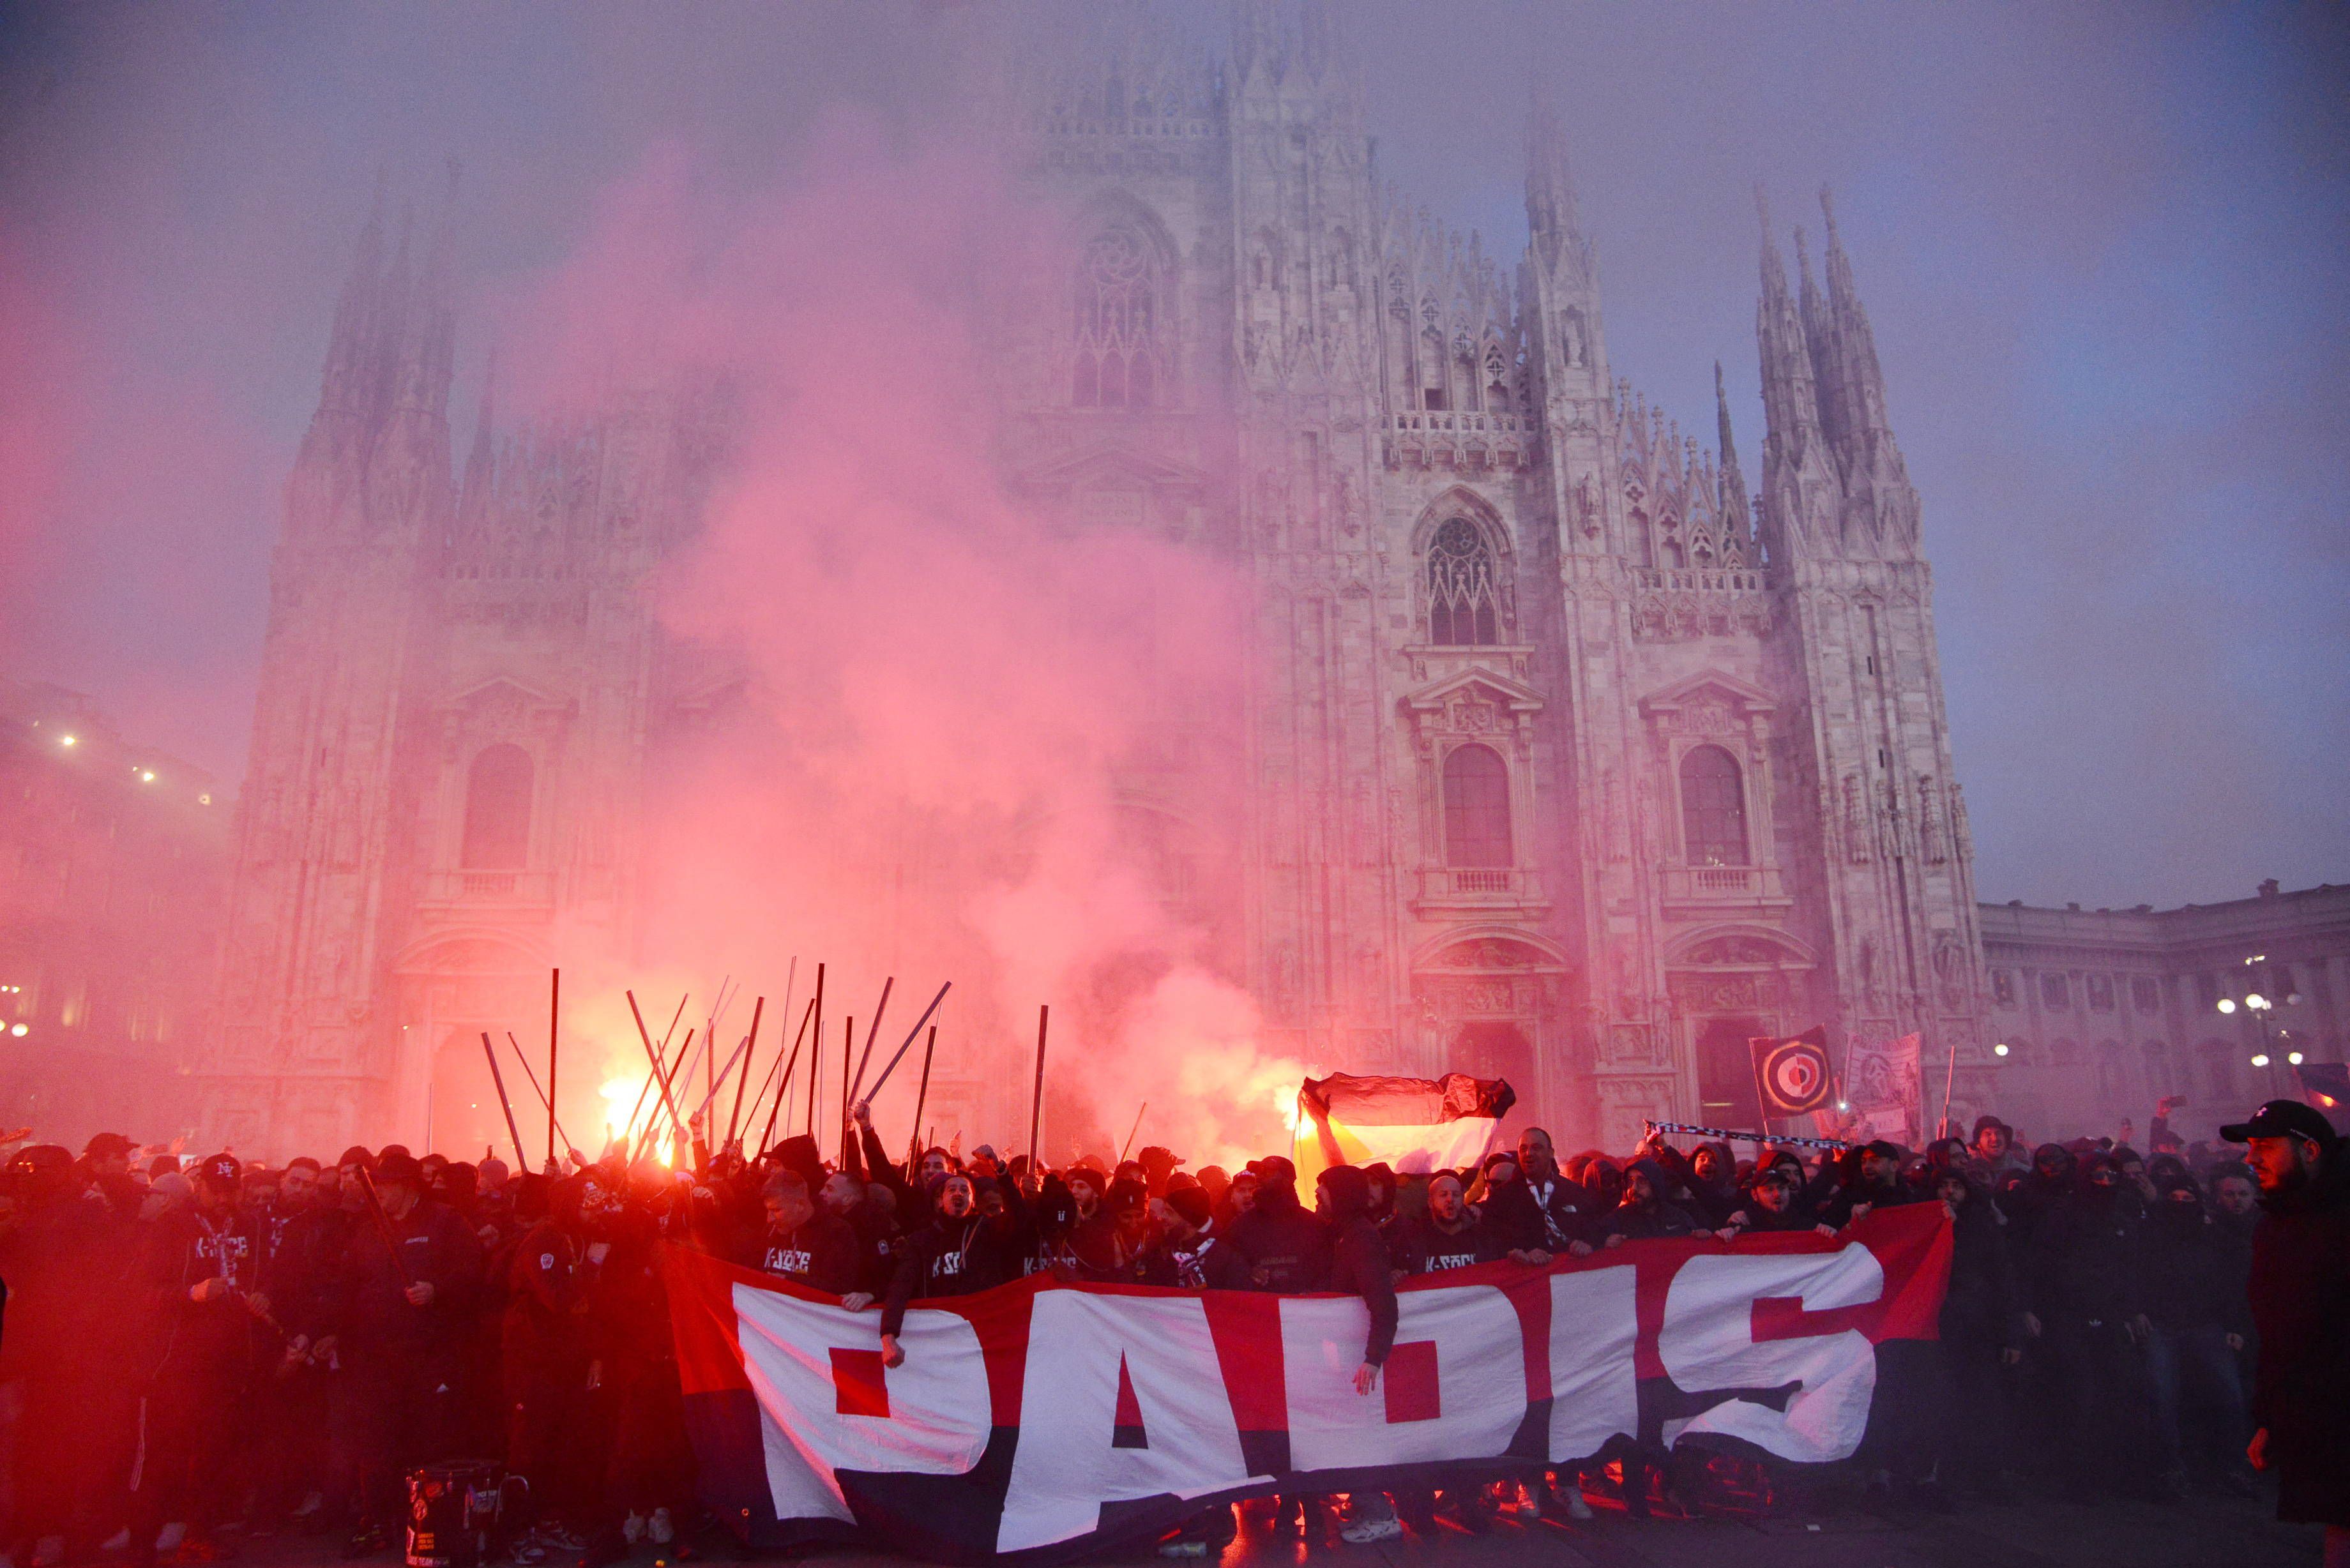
<point>1863,380</point>
<point>1256,40</point>
<point>1732,496</point>
<point>1551,214</point>
<point>1801,491</point>
<point>343,389</point>
<point>481,463</point>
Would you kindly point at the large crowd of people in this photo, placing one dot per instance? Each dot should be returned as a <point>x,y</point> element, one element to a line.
<point>200,1348</point>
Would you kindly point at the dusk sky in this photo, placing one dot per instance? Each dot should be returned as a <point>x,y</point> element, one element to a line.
<point>2103,249</point>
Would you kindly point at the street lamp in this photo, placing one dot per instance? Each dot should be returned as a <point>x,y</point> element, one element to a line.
<point>2261,1006</point>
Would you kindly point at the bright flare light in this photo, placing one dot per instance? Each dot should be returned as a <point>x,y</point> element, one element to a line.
<point>20,1032</point>
<point>69,740</point>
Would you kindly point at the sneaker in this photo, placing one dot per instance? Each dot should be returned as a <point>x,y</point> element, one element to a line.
<point>1571,1498</point>
<point>367,1540</point>
<point>659,1528</point>
<point>313,1504</point>
<point>1529,1503</point>
<point>1365,1530</point>
<point>170,1537</point>
<point>1184,1549</point>
<point>632,1529</point>
<point>118,1541</point>
<point>558,1537</point>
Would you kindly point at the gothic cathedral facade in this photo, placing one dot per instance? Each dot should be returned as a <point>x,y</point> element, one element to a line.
<point>1568,761</point>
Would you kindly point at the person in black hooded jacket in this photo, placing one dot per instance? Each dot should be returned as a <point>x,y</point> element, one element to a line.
<point>1359,1266</point>
<point>1982,1333</point>
<point>1645,1213</point>
<point>2087,1268</point>
<point>1286,1248</point>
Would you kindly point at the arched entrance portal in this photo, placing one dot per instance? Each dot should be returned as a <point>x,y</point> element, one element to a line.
<point>1498,1048</point>
<point>1493,1006</point>
<point>451,990</point>
<point>1729,985</point>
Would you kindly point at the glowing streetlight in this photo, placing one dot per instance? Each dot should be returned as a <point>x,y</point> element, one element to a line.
<point>2227,1005</point>
<point>2294,1057</point>
<point>2259,1059</point>
<point>1999,1049</point>
<point>20,1030</point>
<point>2257,1002</point>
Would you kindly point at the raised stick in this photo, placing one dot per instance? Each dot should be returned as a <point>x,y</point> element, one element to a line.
<point>1036,1100</point>
<point>873,1090</point>
<point>653,1056</point>
<point>879,1009</point>
<point>647,1086</point>
<point>767,1138</point>
<point>553,1017</point>
<point>816,1052</point>
<point>847,1042</point>
<point>734,1116</point>
<point>539,1092</point>
<point>498,1079</point>
<point>924,1093</point>
<point>1137,1128</point>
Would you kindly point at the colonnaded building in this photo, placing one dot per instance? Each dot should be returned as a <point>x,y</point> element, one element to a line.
<point>1574,760</point>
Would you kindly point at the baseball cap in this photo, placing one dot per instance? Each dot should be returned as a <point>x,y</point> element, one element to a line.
<point>107,1145</point>
<point>218,1167</point>
<point>2283,1118</point>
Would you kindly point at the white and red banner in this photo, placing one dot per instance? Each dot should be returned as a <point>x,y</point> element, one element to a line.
<point>1039,1421</point>
<point>1415,1126</point>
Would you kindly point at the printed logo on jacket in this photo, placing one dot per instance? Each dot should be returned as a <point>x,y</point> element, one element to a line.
<point>1040,1422</point>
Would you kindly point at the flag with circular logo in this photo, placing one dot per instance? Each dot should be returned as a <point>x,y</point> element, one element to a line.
<point>1793,1074</point>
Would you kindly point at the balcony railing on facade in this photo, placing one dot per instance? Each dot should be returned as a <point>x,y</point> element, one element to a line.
<point>1479,888</point>
<point>1716,888</point>
<point>489,889</point>
<point>1678,579</point>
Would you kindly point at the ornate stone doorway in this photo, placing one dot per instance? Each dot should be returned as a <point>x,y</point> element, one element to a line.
<point>1494,1006</point>
<point>1726,1094</point>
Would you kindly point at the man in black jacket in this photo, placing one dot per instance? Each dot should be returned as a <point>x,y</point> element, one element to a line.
<point>203,1269</point>
<point>410,1276</point>
<point>1543,1213</point>
<point>960,1252</point>
<point>1451,1235</point>
<point>2300,1303</point>
<point>801,1243</point>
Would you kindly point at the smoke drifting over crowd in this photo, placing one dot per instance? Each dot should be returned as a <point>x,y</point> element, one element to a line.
<point>927,683</point>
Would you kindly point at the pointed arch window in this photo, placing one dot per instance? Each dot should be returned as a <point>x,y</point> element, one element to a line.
<point>1120,353</point>
<point>1476,807</point>
<point>1464,592</point>
<point>1713,808</point>
<point>498,811</point>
